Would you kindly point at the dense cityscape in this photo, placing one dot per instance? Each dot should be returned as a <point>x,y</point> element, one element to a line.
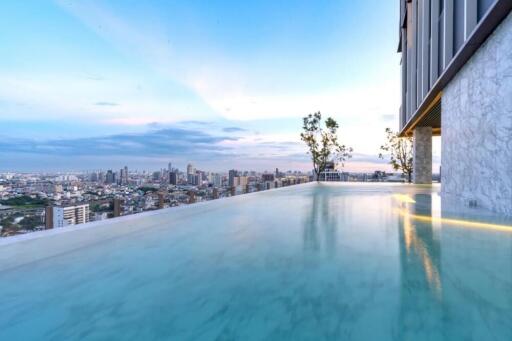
<point>256,170</point>
<point>36,201</point>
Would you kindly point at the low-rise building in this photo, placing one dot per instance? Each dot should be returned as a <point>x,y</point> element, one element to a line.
<point>57,217</point>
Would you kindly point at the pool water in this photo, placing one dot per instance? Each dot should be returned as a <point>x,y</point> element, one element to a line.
<point>325,261</point>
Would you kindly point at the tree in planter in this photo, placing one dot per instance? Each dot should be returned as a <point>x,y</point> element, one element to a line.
<point>323,142</point>
<point>400,151</point>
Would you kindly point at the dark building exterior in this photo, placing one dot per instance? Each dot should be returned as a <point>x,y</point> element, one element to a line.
<point>110,177</point>
<point>231,177</point>
<point>118,207</point>
<point>456,78</point>
<point>173,178</point>
<point>267,177</point>
<point>48,220</point>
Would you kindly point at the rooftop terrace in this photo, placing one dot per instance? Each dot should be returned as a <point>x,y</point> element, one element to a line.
<point>314,261</point>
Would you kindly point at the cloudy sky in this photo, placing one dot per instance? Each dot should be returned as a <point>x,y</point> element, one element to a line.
<point>222,84</point>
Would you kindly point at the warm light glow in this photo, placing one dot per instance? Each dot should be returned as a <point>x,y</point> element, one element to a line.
<point>407,232</point>
<point>404,198</point>
<point>456,222</point>
<point>433,278</point>
<point>412,239</point>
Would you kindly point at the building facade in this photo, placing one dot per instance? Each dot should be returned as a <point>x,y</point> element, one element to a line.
<point>57,217</point>
<point>240,181</point>
<point>333,175</point>
<point>267,177</point>
<point>110,177</point>
<point>190,169</point>
<point>231,177</point>
<point>457,83</point>
<point>173,178</point>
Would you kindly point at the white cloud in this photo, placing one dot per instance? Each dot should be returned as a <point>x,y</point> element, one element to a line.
<point>67,97</point>
<point>225,85</point>
<point>229,89</point>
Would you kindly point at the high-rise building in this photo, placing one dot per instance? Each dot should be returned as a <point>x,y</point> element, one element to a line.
<point>117,207</point>
<point>110,177</point>
<point>93,177</point>
<point>194,179</point>
<point>48,217</point>
<point>455,58</point>
<point>124,178</point>
<point>190,169</point>
<point>240,181</point>
<point>216,180</point>
<point>156,176</point>
<point>231,177</point>
<point>57,217</point>
<point>267,177</point>
<point>173,178</point>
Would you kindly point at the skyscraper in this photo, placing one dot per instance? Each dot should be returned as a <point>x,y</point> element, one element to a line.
<point>173,178</point>
<point>216,180</point>
<point>240,181</point>
<point>125,178</point>
<point>231,177</point>
<point>101,176</point>
<point>190,169</point>
<point>194,179</point>
<point>110,177</point>
<point>156,176</point>
<point>93,177</point>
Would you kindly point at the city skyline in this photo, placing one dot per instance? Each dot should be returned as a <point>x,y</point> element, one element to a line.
<point>224,85</point>
<point>256,170</point>
<point>36,201</point>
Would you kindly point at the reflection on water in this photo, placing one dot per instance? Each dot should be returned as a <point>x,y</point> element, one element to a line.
<point>311,262</point>
<point>454,264</point>
<point>320,225</point>
<point>419,249</point>
<point>420,270</point>
<point>456,271</point>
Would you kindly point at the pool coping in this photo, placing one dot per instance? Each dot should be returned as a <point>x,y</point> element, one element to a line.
<point>4,241</point>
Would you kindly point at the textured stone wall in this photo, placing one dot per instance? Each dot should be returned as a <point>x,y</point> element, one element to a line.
<point>422,162</point>
<point>476,154</point>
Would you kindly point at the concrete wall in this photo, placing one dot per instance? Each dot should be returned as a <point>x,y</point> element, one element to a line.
<point>477,126</point>
<point>422,162</point>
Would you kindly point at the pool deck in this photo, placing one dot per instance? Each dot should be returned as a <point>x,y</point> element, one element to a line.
<point>307,262</point>
<point>14,249</point>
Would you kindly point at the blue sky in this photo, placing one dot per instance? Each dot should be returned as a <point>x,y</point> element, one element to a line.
<point>222,84</point>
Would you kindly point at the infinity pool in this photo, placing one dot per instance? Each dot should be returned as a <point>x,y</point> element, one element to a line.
<point>309,262</point>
